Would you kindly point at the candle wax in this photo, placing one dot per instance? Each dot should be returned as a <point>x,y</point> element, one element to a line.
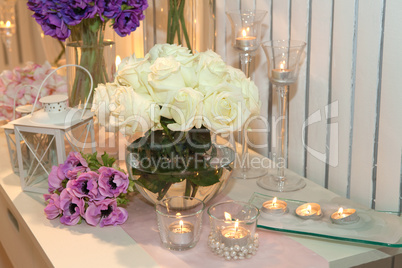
<point>232,236</point>
<point>345,216</point>
<point>278,207</point>
<point>309,211</point>
<point>181,233</point>
<point>246,43</point>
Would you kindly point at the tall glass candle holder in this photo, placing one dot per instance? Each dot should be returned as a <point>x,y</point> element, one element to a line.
<point>283,69</point>
<point>246,35</point>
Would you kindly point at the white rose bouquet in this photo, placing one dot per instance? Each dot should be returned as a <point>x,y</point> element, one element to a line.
<point>176,99</point>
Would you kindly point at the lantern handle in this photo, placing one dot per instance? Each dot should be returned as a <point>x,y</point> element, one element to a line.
<point>55,70</point>
<point>16,95</point>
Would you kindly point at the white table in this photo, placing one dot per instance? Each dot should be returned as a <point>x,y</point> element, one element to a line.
<point>31,240</point>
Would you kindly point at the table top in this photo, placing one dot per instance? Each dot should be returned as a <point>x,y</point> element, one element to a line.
<point>113,247</point>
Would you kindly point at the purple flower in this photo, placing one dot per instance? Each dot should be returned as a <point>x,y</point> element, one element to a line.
<point>74,11</point>
<point>55,179</point>
<point>109,8</point>
<point>112,182</point>
<point>73,208</point>
<point>127,22</point>
<point>84,186</point>
<point>52,210</point>
<point>105,213</point>
<point>74,164</point>
<point>141,4</point>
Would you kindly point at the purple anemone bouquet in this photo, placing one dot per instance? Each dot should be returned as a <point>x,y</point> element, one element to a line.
<point>57,17</point>
<point>83,188</point>
<point>83,22</point>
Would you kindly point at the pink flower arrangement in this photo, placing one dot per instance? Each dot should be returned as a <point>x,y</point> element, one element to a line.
<point>83,188</point>
<point>23,84</point>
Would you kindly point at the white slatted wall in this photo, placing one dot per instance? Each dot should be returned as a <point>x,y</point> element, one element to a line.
<point>349,89</point>
<point>349,92</point>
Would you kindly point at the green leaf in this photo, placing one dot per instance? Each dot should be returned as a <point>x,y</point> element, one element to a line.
<point>107,161</point>
<point>206,177</point>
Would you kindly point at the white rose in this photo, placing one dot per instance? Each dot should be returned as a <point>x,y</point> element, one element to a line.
<point>165,79</point>
<point>133,112</point>
<point>225,109</point>
<point>134,73</point>
<point>251,95</point>
<point>179,53</point>
<point>211,71</point>
<point>235,76</point>
<point>185,108</point>
<point>102,98</point>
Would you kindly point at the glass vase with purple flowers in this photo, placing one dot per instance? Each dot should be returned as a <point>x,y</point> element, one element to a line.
<point>83,24</point>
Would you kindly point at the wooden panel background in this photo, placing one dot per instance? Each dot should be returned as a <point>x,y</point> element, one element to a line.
<point>345,124</point>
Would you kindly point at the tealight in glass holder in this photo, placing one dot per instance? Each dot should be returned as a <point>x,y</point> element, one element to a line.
<point>179,221</point>
<point>246,35</point>
<point>284,58</point>
<point>233,225</point>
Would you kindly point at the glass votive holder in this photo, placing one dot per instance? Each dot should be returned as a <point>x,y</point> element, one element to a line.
<point>233,225</point>
<point>179,221</point>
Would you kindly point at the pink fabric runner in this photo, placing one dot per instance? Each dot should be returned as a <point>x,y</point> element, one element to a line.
<point>276,250</point>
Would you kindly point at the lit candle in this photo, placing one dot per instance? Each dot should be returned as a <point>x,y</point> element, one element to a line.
<point>118,61</point>
<point>274,207</point>
<point>181,233</point>
<point>234,235</point>
<point>309,211</point>
<point>282,74</point>
<point>345,216</point>
<point>246,42</point>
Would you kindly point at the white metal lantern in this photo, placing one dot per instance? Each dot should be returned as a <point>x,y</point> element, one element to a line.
<point>12,147</point>
<point>49,135</point>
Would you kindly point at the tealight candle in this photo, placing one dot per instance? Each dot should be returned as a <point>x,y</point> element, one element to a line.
<point>282,74</point>
<point>234,235</point>
<point>309,211</point>
<point>181,233</point>
<point>246,42</point>
<point>345,216</point>
<point>274,207</point>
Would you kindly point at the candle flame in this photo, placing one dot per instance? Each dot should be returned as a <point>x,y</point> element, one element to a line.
<point>8,23</point>
<point>178,214</point>
<point>309,209</point>
<point>181,226</point>
<point>282,65</point>
<point>244,33</point>
<point>228,217</point>
<point>340,211</point>
<point>236,225</point>
<point>274,201</point>
<point>118,61</point>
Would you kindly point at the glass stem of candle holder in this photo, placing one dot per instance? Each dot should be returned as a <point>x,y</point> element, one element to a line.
<point>282,131</point>
<point>243,169</point>
<point>245,62</point>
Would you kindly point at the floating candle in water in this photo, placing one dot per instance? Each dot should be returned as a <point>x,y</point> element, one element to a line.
<point>274,207</point>
<point>345,216</point>
<point>309,211</point>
